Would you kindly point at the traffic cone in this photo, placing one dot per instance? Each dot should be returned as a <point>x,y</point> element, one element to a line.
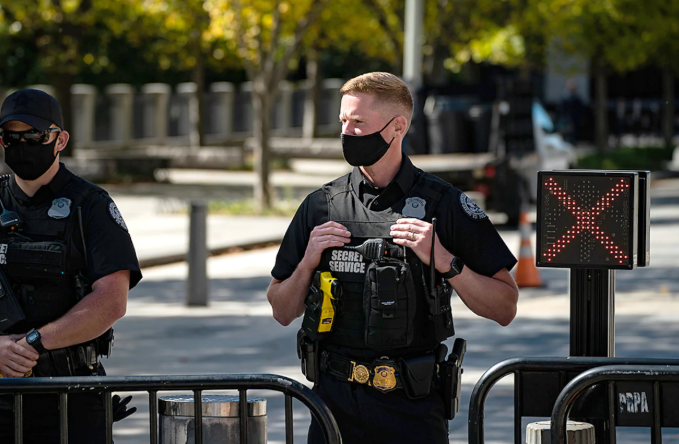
<point>527,274</point>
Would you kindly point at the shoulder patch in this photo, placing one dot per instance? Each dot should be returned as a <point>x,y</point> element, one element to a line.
<point>414,207</point>
<point>60,208</point>
<point>116,216</point>
<point>471,208</point>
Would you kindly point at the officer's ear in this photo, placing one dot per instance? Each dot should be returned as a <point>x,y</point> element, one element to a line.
<point>62,141</point>
<point>400,127</point>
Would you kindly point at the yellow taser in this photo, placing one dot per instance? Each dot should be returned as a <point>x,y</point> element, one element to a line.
<point>331,291</point>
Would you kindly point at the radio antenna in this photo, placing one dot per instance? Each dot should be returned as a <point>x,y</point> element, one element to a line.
<point>432,266</point>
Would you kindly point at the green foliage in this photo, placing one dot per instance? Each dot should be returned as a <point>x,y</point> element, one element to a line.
<point>628,158</point>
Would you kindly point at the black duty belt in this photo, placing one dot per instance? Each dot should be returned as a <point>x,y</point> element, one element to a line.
<point>67,361</point>
<point>384,374</point>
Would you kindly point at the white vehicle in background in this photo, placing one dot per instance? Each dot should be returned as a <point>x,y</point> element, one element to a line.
<point>503,179</point>
<point>552,152</point>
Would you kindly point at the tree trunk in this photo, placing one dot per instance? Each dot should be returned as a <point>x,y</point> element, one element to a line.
<point>261,128</point>
<point>600,110</point>
<point>199,79</point>
<point>310,123</point>
<point>62,85</point>
<point>668,102</point>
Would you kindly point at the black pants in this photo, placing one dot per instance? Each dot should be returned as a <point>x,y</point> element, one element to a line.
<point>366,415</point>
<point>86,417</point>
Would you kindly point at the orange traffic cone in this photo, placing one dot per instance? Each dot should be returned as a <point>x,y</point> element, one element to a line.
<point>527,274</point>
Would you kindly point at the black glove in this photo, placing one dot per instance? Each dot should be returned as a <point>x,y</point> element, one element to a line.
<point>120,410</point>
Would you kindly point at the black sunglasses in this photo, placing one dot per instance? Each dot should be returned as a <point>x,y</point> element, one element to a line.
<point>32,136</point>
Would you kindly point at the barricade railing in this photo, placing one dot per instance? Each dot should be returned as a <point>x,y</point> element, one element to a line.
<point>63,386</point>
<point>537,384</point>
<point>646,398</point>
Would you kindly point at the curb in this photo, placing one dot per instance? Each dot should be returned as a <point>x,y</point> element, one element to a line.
<point>215,251</point>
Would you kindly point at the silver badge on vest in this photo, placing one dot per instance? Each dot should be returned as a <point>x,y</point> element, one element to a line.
<point>60,209</point>
<point>414,207</point>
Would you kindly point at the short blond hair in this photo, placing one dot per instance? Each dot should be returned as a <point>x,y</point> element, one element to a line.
<point>386,88</point>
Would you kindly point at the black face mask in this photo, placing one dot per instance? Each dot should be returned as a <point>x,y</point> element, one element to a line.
<point>30,161</point>
<point>365,150</point>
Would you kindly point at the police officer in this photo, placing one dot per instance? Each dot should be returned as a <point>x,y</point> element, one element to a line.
<point>378,370</point>
<point>70,261</point>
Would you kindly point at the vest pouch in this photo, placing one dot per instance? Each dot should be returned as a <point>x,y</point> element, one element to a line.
<point>389,304</point>
<point>417,374</point>
<point>443,320</point>
<point>36,260</point>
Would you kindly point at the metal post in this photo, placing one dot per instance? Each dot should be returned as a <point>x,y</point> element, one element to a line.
<point>197,291</point>
<point>592,325</point>
<point>592,312</point>
<point>412,48</point>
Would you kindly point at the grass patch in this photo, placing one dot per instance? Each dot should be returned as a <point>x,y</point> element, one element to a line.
<point>246,207</point>
<point>628,158</point>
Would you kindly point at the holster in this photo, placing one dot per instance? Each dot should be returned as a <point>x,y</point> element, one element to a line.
<point>104,343</point>
<point>417,374</point>
<point>68,361</point>
<point>62,362</point>
<point>450,373</point>
<point>307,351</point>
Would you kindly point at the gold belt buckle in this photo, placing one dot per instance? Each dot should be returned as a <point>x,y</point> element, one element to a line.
<point>385,378</point>
<point>359,373</point>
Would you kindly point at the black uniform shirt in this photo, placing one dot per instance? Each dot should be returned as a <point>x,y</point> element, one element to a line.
<point>109,246</point>
<point>463,229</point>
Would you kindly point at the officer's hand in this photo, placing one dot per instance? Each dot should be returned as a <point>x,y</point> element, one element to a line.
<point>330,234</point>
<point>16,358</point>
<point>119,408</point>
<point>416,235</point>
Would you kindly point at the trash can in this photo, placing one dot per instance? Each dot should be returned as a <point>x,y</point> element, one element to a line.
<point>221,424</point>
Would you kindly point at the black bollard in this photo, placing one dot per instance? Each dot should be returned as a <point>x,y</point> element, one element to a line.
<point>197,289</point>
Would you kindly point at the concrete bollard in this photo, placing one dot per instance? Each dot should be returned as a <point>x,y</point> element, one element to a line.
<point>576,433</point>
<point>189,90</point>
<point>282,122</point>
<point>122,101</point>
<point>197,285</point>
<point>84,100</point>
<point>157,99</point>
<point>222,116</point>
<point>221,422</point>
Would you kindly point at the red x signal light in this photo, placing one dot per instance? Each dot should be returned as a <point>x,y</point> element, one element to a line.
<point>589,219</point>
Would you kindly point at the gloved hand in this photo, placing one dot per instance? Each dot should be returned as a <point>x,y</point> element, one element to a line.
<point>120,410</point>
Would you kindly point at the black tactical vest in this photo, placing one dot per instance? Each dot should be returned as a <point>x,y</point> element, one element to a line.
<point>407,325</point>
<point>44,258</point>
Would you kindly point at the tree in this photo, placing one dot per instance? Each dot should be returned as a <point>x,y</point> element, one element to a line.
<point>662,32</point>
<point>611,33</point>
<point>268,34</point>
<point>344,26</point>
<point>182,34</point>
<point>66,35</point>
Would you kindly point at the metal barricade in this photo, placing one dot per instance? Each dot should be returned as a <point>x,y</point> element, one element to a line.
<point>64,386</point>
<point>654,405</point>
<point>537,384</point>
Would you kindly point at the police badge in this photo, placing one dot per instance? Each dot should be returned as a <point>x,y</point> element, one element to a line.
<point>414,207</point>
<point>60,208</point>
<point>385,378</point>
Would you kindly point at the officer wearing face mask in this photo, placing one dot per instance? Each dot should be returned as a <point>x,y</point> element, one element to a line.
<point>66,252</point>
<point>377,359</point>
